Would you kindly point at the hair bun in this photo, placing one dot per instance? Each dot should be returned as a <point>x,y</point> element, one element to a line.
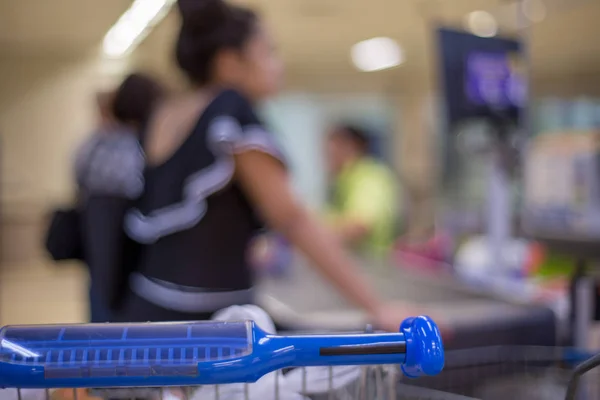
<point>202,15</point>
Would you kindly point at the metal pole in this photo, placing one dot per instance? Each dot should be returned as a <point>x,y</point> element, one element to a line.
<point>499,212</point>
<point>524,32</point>
<point>499,219</point>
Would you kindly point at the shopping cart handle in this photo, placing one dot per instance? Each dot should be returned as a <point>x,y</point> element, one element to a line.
<point>424,347</point>
<point>198,353</point>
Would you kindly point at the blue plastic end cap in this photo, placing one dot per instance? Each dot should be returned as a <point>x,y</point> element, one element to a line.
<point>424,347</point>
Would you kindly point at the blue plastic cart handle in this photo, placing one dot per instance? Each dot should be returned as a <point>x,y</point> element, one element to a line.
<point>197,353</point>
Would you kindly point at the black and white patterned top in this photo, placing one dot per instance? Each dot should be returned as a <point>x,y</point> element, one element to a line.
<point>193,218</point>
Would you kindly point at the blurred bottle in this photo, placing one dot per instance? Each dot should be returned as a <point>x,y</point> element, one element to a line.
<point>474,261</point>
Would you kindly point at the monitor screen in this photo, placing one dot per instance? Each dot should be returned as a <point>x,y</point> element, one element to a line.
<point>481,77</point>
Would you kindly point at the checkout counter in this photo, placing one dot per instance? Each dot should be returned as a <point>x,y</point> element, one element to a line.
<point>303,301</point>
<point>562,211</point>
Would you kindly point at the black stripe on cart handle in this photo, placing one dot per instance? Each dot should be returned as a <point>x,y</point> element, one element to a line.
<point>364,350</point>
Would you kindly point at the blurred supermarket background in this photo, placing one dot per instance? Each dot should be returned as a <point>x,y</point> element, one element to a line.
<point>488,111</point>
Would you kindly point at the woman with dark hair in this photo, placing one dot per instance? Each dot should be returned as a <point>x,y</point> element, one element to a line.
<point>135,100</point>
<point>214,176</point>
<point>109,170</point>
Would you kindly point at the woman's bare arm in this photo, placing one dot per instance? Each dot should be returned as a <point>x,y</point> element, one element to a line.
<point>350,231</point>
<point>266,183</point>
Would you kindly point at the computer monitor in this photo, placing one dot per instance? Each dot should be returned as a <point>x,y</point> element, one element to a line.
<point>480,77</point>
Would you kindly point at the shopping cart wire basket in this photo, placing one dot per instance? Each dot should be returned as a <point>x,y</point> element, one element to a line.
<point>511,372</point>
<point>192,354</point>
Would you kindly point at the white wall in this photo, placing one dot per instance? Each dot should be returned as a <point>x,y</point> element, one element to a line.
<point>298,125</point>
<point>46,109</point>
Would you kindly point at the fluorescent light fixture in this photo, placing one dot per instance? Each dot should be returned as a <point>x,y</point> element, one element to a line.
<point>376,54</point>
<point>133,26</point>
<point>482,23</point>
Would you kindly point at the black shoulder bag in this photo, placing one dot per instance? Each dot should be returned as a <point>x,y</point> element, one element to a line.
<point>64,237</point>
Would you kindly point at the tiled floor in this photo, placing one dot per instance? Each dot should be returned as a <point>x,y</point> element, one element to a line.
<point>42,293</point>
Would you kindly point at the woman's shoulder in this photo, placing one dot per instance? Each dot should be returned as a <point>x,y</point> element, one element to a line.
<point>232,95</point>
<point>225,101</point>
<point>232,101</point>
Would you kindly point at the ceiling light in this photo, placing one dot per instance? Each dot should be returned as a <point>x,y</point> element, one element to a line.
<point>376,54</point>
<point>482,23</point>
<point>133,26</point>
<point>534,10</point>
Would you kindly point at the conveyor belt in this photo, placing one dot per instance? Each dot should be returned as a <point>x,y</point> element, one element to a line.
<point>304,301</point>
